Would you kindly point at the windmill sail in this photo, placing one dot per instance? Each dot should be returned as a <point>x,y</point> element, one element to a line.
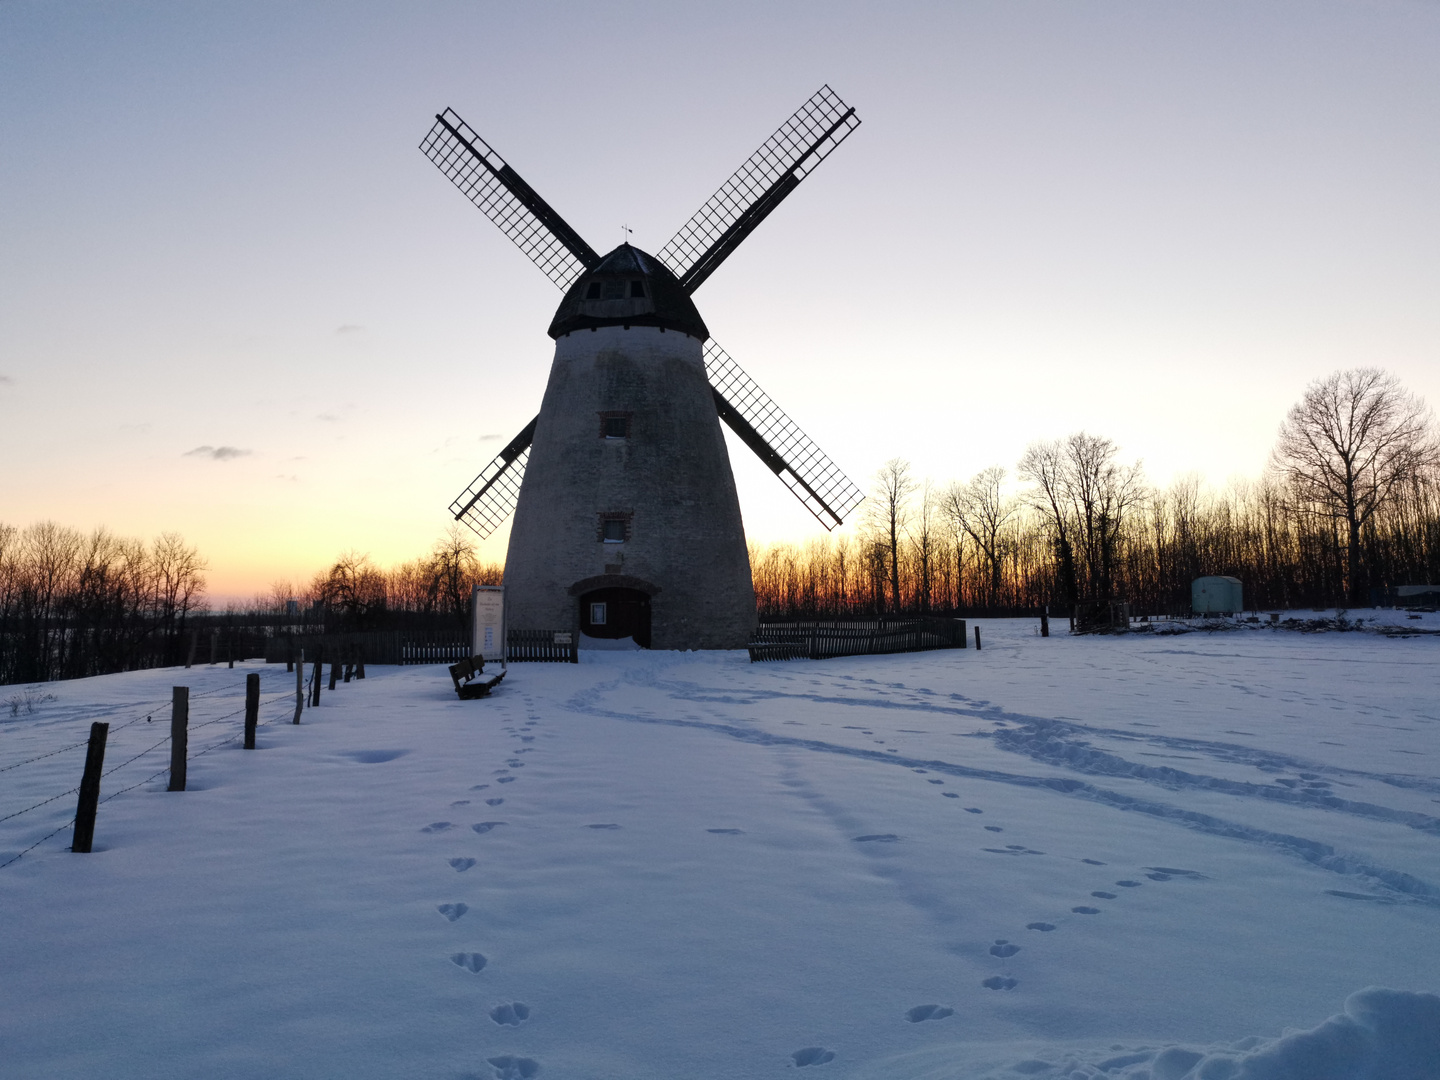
<point>483,177</point>
<point>490,498</point>
<point>777,440</point>
<point>758,186</point>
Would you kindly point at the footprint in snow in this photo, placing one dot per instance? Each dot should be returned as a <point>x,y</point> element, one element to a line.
<point>604,825</point>
<point>998,982</point>
<point>508,780</point>
<point>1128,884</point>
<point>482,827</point>
<point>479,787</point>
<point>725,832</point>
<point>493,802</point>
<point>452,911</point>
<point>461,802</point>
<point>928,1012</point>
<point>935,781</point>
<point>437,826</point>
<point>1104,895</point>
<point>973,810</point>
<point>511,1015</point>
<point>472,962</point>
<point>993,828</point>
<point>949,794</point>
<point>1158,877</point>
<point>510,1067</point>
<point>1086,910</point>
<point>882,838</point>
<point>1042,926</point>
<point>461,865</point>
<point>1003,948</point>
<point>812,1055</point>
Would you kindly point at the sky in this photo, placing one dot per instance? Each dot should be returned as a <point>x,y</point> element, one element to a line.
<point>238,303</point>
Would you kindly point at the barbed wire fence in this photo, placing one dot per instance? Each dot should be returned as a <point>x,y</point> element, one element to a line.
<point>306,688</point>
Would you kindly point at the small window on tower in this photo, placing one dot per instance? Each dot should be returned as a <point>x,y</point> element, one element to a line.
<point>613,530</point>
<point>616,427</point>
<point>593,292</point>
<point>597,614</point>
<point>637,289</point>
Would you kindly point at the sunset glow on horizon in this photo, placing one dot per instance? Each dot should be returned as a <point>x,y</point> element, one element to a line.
<point>237,303</point>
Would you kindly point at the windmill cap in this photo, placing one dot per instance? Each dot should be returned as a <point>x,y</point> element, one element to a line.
<point>628,287</point>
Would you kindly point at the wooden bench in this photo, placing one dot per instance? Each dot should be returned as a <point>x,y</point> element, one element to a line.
<point>469,680</point>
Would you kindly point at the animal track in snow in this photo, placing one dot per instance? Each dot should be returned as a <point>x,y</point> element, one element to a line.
<point>507,780</point>
<point>1086,910</point>
<point>725,832</point>
<point>881,837</point>
<point>999,982</point>
<point>928,1012</point>
<point>934,781</point>
<point>1003,948</point>
<point>461,865</point>
<point>604,825</point>
<point>1104,895</point>
<point>1042,926</point>
<point>493,802</point>
<point>812,1055</point>
<point>949,794</point>
<point>510,1067</point>
<point>512,1015</point>
<point>479,787</point>
<point>461,802</point>
<point>470,961</point>
<point>452,911</point>
<point>973,810</point>
<point>437,826</point>
<point>993,828</point>
<point>482,827</point>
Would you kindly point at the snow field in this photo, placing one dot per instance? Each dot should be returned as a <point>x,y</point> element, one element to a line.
<point>1063,857</point>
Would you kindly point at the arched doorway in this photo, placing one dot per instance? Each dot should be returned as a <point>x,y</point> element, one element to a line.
<point>616,613</point>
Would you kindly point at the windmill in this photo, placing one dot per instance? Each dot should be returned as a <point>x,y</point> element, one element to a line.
<point>626,520</point>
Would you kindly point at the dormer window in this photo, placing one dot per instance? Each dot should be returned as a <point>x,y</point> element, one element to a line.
<point>614,290</point>
<point>593,292</point>
<point>637,290</point>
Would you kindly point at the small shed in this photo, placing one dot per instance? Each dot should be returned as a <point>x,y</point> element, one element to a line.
<point>1216,596</point>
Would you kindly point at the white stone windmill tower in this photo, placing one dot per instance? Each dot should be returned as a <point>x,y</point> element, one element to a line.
<point>626,520</point>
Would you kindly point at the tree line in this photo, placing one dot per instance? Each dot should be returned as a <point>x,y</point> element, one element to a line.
<point>1349,503</point>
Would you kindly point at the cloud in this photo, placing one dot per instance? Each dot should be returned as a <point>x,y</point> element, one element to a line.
<point>217,453</point>
<point>349,328</point>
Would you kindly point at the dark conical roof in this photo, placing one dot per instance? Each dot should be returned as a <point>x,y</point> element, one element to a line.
<point>628,287</point>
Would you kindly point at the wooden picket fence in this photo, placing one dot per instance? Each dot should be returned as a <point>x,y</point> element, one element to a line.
<point>819,639</point>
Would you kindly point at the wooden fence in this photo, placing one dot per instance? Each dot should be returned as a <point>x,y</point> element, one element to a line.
<point>819,639</point>
<point>418,647</point>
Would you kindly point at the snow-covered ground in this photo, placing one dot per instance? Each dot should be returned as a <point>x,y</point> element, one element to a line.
<point>1136,856</point>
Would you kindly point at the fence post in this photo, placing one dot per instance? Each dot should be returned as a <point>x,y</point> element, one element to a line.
<point>360,661</point>
<point>214,646</point>
<point>252,708</point>
<point>315,678</point>
<point>334,671</point>
<point>90,789</point>
<point>194,642</point>
<point>299,687</point>
<point>179,736</point>
<point>289,653</point>
<point>230,649</point>
<point>977,639</point>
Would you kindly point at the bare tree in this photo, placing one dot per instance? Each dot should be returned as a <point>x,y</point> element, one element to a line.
<point>889,513</point>
<point>981,511</point>
<point>1348,447</point>
<point>1044,465</point>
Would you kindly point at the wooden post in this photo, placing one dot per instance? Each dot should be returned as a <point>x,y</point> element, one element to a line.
<point>214,646</point>
<point>360,661</point>
<point>289,653</point>
<point>194,643</point>
<point>230,649</point>
<point>315,678</point>
<point>977,639</point>
<point>349,666</point>
<point>334,672</point>
<point>299,687</point>
<point>179,736</point>
<point>252,708</point>
<point>1045,621</point>
<point>90,789</point>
